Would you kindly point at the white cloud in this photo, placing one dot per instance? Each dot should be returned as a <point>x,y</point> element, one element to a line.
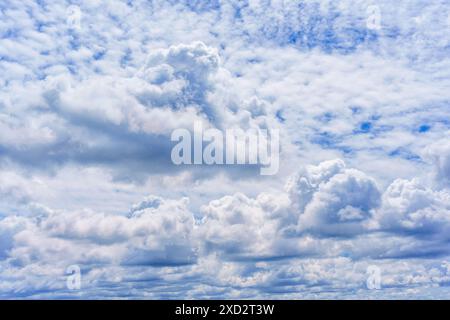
<point>410,207</point>
<point>333,200</point>
<point>84,117</point>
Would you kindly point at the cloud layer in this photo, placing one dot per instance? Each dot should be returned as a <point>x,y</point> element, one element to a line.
<point>88,104</point>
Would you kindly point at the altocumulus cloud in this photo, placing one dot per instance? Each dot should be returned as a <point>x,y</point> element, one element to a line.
<point>86,177</point>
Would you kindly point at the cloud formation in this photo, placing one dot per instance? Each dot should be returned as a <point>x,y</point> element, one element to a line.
<point>87,109</point>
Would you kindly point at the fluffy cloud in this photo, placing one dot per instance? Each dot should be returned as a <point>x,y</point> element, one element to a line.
<point>412,208</point>
<point>333,200</point>
<point>85,120</point>
<point>92,121</point>
<point>253,234</point>
<point>246,228</point>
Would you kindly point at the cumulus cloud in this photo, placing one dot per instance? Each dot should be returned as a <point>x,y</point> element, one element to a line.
<point>410,207</point>
<point>333,200</point>
<point>246,228</point>
<point>88,121</point>
<point>86,115</point>
<point>328,211</point>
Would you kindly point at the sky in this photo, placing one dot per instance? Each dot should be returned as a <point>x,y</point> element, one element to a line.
<point>91,91</point>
